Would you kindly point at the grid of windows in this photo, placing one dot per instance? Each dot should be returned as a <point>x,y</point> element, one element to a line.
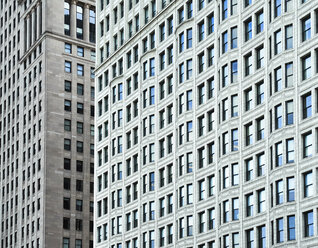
<point>231,128</point>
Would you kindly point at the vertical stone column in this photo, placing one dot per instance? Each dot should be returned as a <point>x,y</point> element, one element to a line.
<point>39,19</point>
<point>86,23</point>
<point>25,29</point>
<point>27,32</point>
<point>33,27</point>
<point>73,19</point>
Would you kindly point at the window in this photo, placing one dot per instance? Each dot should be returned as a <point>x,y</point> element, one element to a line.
<point>248,134</point>
<point>288,5</point>
<point>92,23</point>
<point>278,42</point>
<point>249,169</point>
<point>235,209</point>
<point>201,92</point>
<point>68,66</point>
<point>248,99</point>
<point>189,38</point>
<point>201,62</point>
<point>201,126</point>
<point>80,108</point>
<point>170,25</point>
<point>307,106</point>
<point>226,177</point>
<point>79,22</point>
<point>79,127</point>
<point>67,86</point>
<point>201,4</point>
<point>79,205</point>
<point>248,29</point>
<point>289,74</point>
<point>260,164</point>
<point>278,79</point>
<point>152,67</point>
<point>225,75</point>
<point>279,192</point>
<point>278,116</point>
<point>248,64</point>
<point>189,69</point>
<point>234,105</point>
<point>261,200</point>
<point>66,243</point>
<point>201,184</point>
<point>235,174</point>
<point>80,51</point>
<point>234,72</point>
<point>162,32</point>
<point>308,184</point>
<point>291,232</point>
<point>260,57</point>
<point>279,154</point>
<point>225,144</point>
<point>67,18</point>
<point>80,70</point>
<point>226,211</point>
<point>247,3</point>
<point>306,67</point>
<point>211,218</point>
<point>290,151</point>
<point>211,23</point>
<point>250,238</point>
<point>288,37</point>
<point>235,140</point>
<point>233,7</point>
<point>201,31</point>
<point>67,144</point>
<point>260,93</point>
<point>277,8</point>
<point>261,236</point>
<point>68,48</point>
<point>224,9</point>
<point>280,230</point>
<point>290,189</point>
<point>189,225</point>
<point>67,125</point>
<point>152,40</point>
<point>224,42</point>
<point>306,28</point>
<point>78,243</point>
<point>181,73</point>
<point>260,126</point>
<point>80,89</point>
<point>259,22</point>
<point>66,223</point>
<point>181,15</point>
<point>249,205</point>
<point>211,55</point>
<point>309,223</point>
<point>79,146</point>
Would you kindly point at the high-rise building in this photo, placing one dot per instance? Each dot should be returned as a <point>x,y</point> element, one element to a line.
<point>206,123</point>
<point>47,59</point>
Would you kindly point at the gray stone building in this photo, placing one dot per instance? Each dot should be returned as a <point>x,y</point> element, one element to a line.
<point>206,123</point>
<point>47,59</point>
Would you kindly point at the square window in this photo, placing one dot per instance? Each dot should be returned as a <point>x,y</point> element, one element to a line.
<point>80,51</point>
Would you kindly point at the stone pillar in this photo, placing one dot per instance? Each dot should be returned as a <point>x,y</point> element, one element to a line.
<point>25,30</point>
<point>73,19</point>
<point>39,19</point>
<point>86,23</point>
<point>33,28</point>
<point>28,30</point>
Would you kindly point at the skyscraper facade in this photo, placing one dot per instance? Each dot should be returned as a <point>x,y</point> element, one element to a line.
<point>206,123</point>
<point>47,59</point>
